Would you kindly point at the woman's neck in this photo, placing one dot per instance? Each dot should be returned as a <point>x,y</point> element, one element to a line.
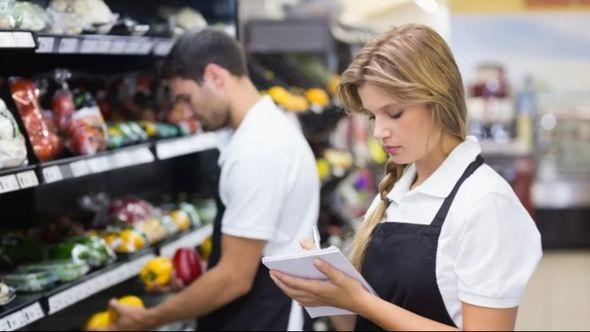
<point>429,164</point>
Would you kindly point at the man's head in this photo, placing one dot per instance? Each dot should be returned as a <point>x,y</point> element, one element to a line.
<point>201,67</point>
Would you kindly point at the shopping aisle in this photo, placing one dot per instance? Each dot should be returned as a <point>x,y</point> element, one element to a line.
<point>558,296</point>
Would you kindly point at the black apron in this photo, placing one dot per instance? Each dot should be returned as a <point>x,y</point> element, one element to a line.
<point>264,308</point>
<point>400,263</point>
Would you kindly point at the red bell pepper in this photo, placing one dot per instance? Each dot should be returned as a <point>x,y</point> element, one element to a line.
<point>187,265</point>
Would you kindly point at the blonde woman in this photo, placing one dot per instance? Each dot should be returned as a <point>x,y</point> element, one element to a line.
<point>446,244</point>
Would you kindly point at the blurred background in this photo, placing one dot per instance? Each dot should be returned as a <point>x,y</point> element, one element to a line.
<point>136,178</point>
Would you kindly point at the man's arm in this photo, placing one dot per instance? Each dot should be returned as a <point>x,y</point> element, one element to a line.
<point>230,279</point>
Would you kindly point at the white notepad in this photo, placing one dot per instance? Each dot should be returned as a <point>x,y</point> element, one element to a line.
<point>301,265</point>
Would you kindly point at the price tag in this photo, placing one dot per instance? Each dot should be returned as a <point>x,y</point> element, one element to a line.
<point>79,168</point>
<point>8,183</point>
<point>23,39</point>
<point>7,39</point>
<point>104,46</point>
<point>89,46</point>
<point>27,179</point>
<point>163,48</point>
<point>4,325</point>
<point>145,47</point>
<point>68,45</point>
<point>33,313</point>
<point>142,156</point>
<point>132,47</point>
<point>52,174</point>
<point>45,44</point>
<point>99,164</point>
<point>118,47</point>
<point>16,321</point>
<point>121,159</point>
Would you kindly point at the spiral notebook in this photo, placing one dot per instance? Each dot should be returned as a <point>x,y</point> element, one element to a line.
<point>301,265</point>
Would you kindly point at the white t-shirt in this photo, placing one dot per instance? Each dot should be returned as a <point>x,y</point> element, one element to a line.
<point>488,246</point>
<point>269,184</point>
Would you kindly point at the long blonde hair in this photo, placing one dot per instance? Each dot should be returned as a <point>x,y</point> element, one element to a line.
<point>415,65</point>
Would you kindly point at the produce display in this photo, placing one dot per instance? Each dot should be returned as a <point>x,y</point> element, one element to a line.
<point>103,319</point>
<point>13,151</point>
<point>7,294</point>
<point>156,272</point>
<point>186,264</point>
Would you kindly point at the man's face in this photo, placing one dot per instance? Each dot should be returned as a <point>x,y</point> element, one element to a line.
<point>209,109</point>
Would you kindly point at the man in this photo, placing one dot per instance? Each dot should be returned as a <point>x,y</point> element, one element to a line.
<point>268,185</point>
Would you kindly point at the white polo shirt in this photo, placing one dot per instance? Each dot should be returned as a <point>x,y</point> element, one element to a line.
<point>488,247</point>
<point>269,184</point>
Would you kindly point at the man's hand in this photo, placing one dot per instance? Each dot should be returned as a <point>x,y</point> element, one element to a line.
<point>174,286</point>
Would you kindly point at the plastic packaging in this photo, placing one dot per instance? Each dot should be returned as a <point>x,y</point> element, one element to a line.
<point>7,294</point>
<point>87,132</point>
<point>65,270</point>
<point>30,282</point>
<point>32,17</point>
<point>46,143</point>
<point>130,210</point>
<point>8,18</point>
<point>13,151</point>
<point>75,16</point>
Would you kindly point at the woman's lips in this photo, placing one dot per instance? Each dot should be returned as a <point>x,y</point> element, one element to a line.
<point>392,149</point>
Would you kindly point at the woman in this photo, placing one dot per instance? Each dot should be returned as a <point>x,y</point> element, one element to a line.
<point>446,244</point>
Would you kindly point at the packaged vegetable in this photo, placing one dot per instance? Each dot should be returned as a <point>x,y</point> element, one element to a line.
<point>63,101</point>
<point>192,212</point>
<point>181,219</point>
<point>87,132</point>
<point>7,294</point>
<point>65,270</point>
<point>156,272</point>
<point>187,265</point>
<point>13,151</point>
<point>8,18</point>
<point>130,210</point>
<point>46,143</point>
<point>30,282</point>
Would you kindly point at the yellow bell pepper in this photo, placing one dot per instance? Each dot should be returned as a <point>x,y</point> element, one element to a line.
<point>317,96</point>
<point>127,300</point>
<point>157,272</point>
<point>98,321</point>
<point>181,219</point>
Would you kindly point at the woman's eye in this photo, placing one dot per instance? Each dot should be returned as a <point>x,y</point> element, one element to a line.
<point>396,115</point>
<point>371,118</point>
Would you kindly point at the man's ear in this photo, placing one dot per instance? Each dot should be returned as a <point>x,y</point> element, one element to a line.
<point>216,76</point>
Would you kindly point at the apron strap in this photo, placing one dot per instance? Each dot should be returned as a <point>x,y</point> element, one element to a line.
<point>441,215</point>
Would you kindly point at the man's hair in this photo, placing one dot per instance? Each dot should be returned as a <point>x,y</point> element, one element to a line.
<point>193,51</point>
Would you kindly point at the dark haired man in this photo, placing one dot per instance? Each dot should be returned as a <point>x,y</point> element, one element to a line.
<point>269,190</point>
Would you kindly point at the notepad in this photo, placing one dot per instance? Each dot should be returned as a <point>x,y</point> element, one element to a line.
<point>301,265</point>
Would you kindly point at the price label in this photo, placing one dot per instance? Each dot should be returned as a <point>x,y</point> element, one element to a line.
<point>52,174</point>
<point>142,156</point>
<point>8,183</point>
<point>68,45</point>
<point>99,164</point>
<point>104,46</point>
<point>23,39</point>
<point>132,47</point>
<point>79,168</point>
<point>122,159</point>
<point>27,179</point>
<point>145,47</point>
<point>118,47</point>
<point>33,313</point>
<point>45,44</point>
<point>89,46</point>
<point>16,321</point>
<point>4,325</point>
<point>7,39</point>
<point>163,47</point>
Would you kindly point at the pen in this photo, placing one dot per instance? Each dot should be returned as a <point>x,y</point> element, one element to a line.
<point>316,237</point>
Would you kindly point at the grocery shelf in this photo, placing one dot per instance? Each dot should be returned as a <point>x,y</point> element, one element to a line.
<point>26,309</point>
<point>175,147</point>
<point>103,44</point>
<point>63,169</point>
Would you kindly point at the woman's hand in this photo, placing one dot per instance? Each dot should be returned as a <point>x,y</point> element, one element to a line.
<point>339,290</point>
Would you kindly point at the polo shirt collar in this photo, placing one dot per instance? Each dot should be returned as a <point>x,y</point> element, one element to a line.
<point>443,180</point>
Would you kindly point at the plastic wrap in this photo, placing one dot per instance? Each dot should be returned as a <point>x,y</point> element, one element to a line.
<point>46,144</point>
<point>86,132</point>
<point>13,151</point>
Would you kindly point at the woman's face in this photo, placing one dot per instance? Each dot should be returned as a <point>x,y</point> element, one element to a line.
<point>405,131</point>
